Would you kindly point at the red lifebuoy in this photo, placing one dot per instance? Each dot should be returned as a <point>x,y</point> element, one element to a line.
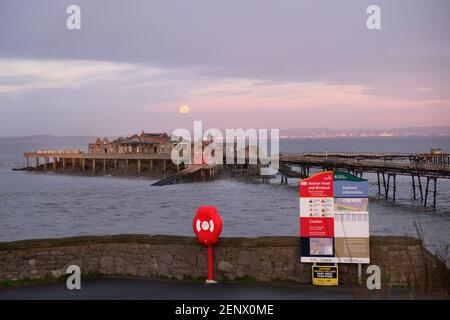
<point>207,225</point>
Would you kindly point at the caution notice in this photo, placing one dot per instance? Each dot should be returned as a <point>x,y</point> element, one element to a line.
<point>325,275</point>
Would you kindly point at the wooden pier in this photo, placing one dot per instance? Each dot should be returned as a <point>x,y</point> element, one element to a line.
<point>81,162</point>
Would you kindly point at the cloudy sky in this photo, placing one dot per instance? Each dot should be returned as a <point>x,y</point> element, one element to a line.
<point>252,63</point>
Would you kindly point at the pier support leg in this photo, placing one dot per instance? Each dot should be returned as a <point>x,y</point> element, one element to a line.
<point>426,192</point>
<point>115,164</point>
<point>420,188</point>
<point>379,185</point>
<point>126,166</point>
<point>74,164</point>
<point>55,164</point>
<point>387,186</point>
<point>394,188</point>
<point>83,165</point>
<point>151,166</point>
<point>164,167</point>
<point>434,193</point>
<point>45,164</point>
<point>37,164</point>
<point>414,187</point>
<point>104,166</point>
<point>28,164</point>
<point>93,166</point>
<point>64,165</point>
<point>139,166</point>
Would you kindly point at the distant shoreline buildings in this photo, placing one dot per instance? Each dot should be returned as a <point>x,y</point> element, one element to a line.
<point>321,133</point>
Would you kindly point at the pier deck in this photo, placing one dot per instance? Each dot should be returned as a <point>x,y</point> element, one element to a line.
<point>430,169</point>
<point>97,161</point>
<point>100,156</point>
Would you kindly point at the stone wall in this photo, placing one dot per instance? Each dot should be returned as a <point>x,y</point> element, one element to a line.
<point>403,260</point>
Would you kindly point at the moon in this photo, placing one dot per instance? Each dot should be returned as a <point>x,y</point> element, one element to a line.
<point>184,109</point>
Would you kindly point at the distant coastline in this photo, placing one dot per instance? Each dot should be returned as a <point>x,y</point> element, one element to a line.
<point>293,133</point>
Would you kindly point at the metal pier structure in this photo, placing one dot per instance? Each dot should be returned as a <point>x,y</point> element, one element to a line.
<point>387,166</point>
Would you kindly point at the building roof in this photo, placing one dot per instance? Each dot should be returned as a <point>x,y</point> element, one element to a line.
<point>154,134</point>
<point>130,141</point>
<point>144,138</point>
<point>101,140</point>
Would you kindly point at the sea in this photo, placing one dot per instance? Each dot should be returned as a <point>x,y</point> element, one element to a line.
<point>58,205</point>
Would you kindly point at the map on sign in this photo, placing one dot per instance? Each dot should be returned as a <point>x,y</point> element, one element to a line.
<point>334,218</point>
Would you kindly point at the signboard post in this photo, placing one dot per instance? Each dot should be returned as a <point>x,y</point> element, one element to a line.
<point>334,218</point>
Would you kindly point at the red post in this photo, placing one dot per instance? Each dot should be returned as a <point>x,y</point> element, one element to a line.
<point>210,263</point>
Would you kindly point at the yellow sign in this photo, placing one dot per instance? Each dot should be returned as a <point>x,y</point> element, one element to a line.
<point>325,275</point>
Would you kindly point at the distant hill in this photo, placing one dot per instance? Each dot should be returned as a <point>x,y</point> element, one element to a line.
<point>48,139</point>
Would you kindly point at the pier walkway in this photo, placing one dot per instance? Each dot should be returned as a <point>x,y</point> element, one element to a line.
<point>385,165</point>
<point>189,171</point>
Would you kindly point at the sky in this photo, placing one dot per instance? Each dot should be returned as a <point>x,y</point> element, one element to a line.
<point>236,64</point>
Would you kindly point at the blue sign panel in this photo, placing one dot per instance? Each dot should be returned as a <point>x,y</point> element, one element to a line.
<point>351,189</point>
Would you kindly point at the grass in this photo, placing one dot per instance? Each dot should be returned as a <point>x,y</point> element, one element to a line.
<point>48,279</point>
